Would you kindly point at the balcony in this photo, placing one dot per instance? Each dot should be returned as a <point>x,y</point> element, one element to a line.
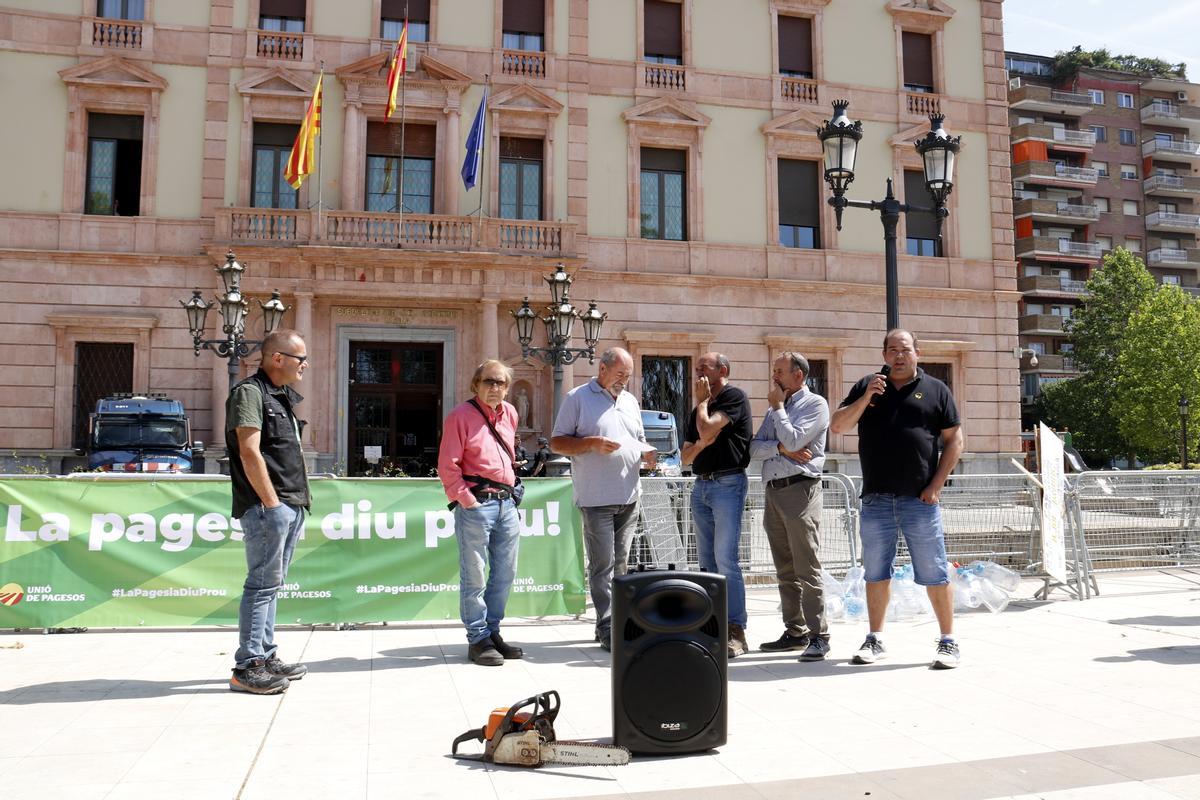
<point>1050,173</point>
<point>1044,210</point>
<point>280,45</point>
<point>1184,150</point>
<point>528,64</point>
<point>798,90</point>
<point>1042,98</point>
<point>1057,138</point>
<point>1047,324</point>
<point>1163,112</point>
<point>671,77</point>
<point>1166,221</point>
<point>1181,259</point>
<point>922,104</point>
<point>116,34</point>
<point>1051,249</point>
<point>1050,285</point>
<point>434,232</point>
<point>1060,362</point>
<point>1171,185</point>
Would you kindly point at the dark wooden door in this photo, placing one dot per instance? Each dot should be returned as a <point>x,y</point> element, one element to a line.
<point>396,405</point>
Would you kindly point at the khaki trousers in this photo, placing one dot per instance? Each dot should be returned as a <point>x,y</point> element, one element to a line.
<point>792,519</point>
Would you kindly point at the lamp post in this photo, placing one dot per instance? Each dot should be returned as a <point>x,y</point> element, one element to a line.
<point>1183,415</point>
<point>839,139</point>
<point>235,346</point>
<point>559,320</point>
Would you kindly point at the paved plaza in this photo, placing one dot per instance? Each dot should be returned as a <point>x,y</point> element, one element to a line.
<point>1061,699</point>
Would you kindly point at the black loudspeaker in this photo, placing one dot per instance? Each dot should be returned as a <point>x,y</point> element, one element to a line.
<point>669,662</point>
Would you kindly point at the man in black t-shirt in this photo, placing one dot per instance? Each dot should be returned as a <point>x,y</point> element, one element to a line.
<point>717,445</point>
<point>901,416</point>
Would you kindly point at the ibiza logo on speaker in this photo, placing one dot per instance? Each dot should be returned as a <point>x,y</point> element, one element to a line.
<point>674,727</point>
<point>11,594</point>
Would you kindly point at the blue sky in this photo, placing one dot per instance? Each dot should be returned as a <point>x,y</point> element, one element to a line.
<point>1166,29</point>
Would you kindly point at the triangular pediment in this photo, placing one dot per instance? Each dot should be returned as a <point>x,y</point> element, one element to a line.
<point>114,71</point>
<point>928,15</point>
<point>436,70</point>
<point>375,68</point>
<point>801,122</point>
<point>666,111</point>
<point>276,81</point>
<point>525,99</point>
<point>909,136</point>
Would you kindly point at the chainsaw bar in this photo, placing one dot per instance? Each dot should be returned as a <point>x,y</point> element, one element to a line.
<point>584,753</point>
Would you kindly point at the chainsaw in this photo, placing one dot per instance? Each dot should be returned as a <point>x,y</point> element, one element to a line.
<point>523,735</point>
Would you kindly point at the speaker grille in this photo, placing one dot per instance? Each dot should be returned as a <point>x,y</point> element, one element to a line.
<point>674,690</point>
<point>711,628</point>
<point>632,630</point>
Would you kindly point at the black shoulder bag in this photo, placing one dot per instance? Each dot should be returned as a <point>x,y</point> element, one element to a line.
<point>518,488</point>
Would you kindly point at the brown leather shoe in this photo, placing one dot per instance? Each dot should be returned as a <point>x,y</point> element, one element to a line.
<point>738,646</point>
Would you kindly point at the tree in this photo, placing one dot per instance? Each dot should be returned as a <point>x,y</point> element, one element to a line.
<point>1159,362</point>
<point>1081,407</point>
<point>1067,64</point>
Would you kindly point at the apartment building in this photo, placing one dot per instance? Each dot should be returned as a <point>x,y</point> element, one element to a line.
<point>1109,160</point>
<point>664,151</point>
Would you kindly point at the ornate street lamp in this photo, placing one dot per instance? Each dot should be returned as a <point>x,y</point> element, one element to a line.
<point>1183,416</point>
<point>235,346</point>
<point>559,320</point>
<point>839,140</point>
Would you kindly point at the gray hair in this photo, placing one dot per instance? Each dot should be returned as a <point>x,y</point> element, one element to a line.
<point>613,354</point>
<point>799,362</point>
<point>722,362</point>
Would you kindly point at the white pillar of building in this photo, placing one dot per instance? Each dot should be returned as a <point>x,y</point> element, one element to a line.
<point>489,336</point>
<point>303,324</point>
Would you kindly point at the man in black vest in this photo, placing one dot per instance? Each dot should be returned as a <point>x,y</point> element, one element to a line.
<point>270,498</point>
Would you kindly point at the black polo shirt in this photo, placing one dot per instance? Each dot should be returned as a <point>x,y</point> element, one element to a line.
<point>731,450</point>
<point>898,433</point>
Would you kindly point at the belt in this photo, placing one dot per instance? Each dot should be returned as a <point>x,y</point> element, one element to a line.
<point>721,473</point>
<point>483,495</point>
<point>780,483</point>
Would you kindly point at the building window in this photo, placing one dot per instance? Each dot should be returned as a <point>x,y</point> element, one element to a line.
<point>666,386</point>
<point>272,149</point>
<point>1130,208</point>
<point>1133,245</point>
<point>391,21</point>
<point>817,380</point>
<point>943,372</point>
<point>1097,96</point>
<point>1129,172</point>
<point>1168,208</point>
<point>920,226</point>
<point>918,61</point>
<point>1105,243</point>
<point>1127,136</point>
<point>114,170</point>
<point>520,178</point>
<point>1100,132</point>
<point>102,369</point>
<point>524,25</point>
<point>664,194</point>
<point>799,204</point>
<point>795,47</point>
<point>1101,204</point>
<point>121,9</point>
<point>1170,280</point>
<point>286,16</point>
<point>384,186</point>
<point>1025,66</point>
<point>1101,168</point>
<point>663,24</point>
<point>1124,100</point>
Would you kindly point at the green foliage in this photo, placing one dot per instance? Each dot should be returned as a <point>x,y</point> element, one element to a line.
<point>1068,63</point>
<point>1081,406</point>
<point>1159,363</point>
<point>1114,292</point>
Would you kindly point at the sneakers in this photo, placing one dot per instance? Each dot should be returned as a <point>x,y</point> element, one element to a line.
<point>255,679</point>
<point>947,656</point>
<point>784,643</point>
<point>818,648</point>
<point>293,672</point>
<point>737,641</point>
<point>508,651</point>
<point>485,654</point>
<point>872,650</point>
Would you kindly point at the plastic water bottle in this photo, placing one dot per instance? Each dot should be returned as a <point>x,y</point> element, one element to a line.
<point>835,607</point>
<point>992,596</point>
<point>855,607</point>
<point>1002,577</point>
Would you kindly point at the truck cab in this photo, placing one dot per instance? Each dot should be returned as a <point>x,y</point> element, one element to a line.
<point>661,432</point>
<point>140,433</point>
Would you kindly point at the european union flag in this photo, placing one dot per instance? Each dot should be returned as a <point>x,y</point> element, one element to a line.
<point>470,167</point>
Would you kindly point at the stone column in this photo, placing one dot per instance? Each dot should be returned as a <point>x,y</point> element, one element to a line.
<point>489,337</point>
<point>353,142</point>
<point>303,324</point>
<point>451,164</point>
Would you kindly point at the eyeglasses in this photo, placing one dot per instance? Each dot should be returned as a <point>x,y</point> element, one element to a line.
<point>301,359</point>
<point>494,382</point>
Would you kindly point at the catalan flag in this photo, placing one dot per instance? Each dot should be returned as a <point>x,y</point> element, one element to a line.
<point>399,62</point>
<point>300,163</point>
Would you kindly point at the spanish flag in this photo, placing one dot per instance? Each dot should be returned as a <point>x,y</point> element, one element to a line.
<point>399,61</point>
<point>300,163</point>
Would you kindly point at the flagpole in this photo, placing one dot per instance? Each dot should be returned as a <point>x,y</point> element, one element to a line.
<point>403,123</point>
<point>483,154</point>
<point>320,170</point>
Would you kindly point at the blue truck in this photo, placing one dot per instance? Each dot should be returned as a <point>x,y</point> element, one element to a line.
<point>140,433</point>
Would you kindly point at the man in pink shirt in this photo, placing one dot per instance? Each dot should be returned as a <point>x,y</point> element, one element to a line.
<point>475,464</point>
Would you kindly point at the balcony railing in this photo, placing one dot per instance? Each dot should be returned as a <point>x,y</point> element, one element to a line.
<point>1050,248</point>
<point>1079,138</point>
<point>1172,257</point>
<point>280,45</point>
<point>1173,184</point>
<point>523,63</point>
<point>1040,284</point>
<point>1049,362</point>
<point>419,231</point>
<point>266,225</point>
<point>122,34</point>
<point>1076,173</point>
<point>798,90</point>
<point>922,104</point>
<point>525,236</point>
<point>1089,212</point>
<point>1170,112</point>
<point>1048,171</point>
<point>1185,148</point>
<point>1031,96</point>
<point>1051,323</point>
<point>1059,209</point>
<point>1086,249</point>
<point>1166,219</point>
<point>665,76</point>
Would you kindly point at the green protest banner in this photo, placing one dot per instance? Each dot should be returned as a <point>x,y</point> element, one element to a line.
<point>164,552</point>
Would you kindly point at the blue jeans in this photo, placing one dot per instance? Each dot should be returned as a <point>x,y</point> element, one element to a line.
<point>884,518</point>
<point>717,514</point>
<point>269,536</point>
<point>487,535</point>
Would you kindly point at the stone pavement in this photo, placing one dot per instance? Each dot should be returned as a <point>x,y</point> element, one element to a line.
<point>1062,699</point>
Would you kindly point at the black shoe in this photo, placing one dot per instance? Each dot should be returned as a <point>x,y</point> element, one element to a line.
<point>818,648</point>
<point>293,672</point>
<point>485,654</point>
<point>256,680</point>
<point>505,649</point>
<point>605,640</point>
<point>785,642</point>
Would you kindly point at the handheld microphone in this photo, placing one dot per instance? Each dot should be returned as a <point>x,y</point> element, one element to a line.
<point>885,370</point>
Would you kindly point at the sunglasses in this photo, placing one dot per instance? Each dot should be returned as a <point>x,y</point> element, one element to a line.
<point>301,359</point>
<point>494,382</point>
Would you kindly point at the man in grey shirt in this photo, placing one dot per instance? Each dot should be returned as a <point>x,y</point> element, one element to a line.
<point>600,427</point>
<point>796,421</point>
